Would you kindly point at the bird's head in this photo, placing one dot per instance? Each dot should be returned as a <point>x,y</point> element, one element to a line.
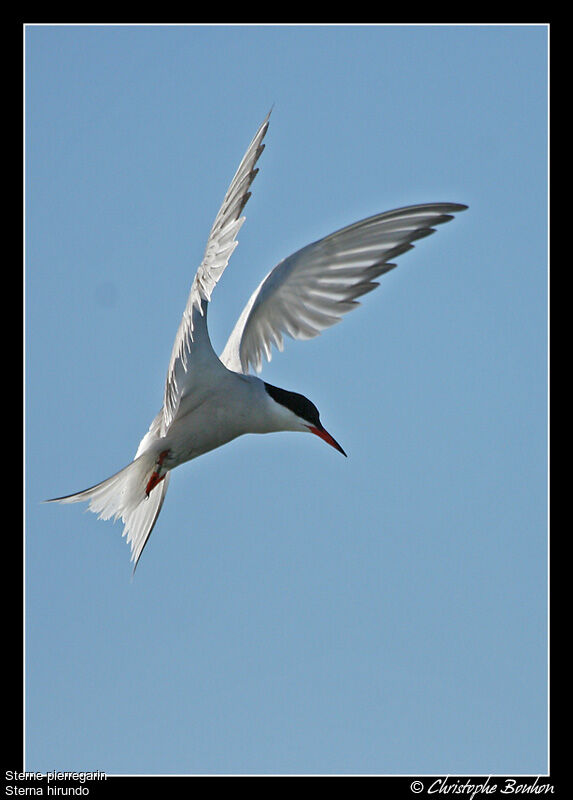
<point>299,413</point>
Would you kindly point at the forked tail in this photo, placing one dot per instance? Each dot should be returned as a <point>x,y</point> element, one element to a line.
<point>126,494</point>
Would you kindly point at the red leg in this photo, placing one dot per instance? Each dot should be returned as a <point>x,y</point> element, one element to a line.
<point>155,476</point>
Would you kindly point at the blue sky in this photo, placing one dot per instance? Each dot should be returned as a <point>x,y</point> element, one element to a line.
<point>294,612</point>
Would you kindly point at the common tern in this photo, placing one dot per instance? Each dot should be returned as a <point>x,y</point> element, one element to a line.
<point>210,400</point>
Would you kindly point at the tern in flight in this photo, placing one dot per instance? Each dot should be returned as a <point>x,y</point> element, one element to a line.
<point>210,400</point>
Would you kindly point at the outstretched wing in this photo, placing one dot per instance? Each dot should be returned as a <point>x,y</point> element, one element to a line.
<point>311,289</point>
<point>220,245</point>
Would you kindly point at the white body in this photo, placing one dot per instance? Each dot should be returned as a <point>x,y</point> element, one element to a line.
<point>215,409</point>
<point>210,400</point>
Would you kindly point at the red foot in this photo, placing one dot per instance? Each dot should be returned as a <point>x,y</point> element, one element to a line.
<point>155,476</point>
<point>152,482</point>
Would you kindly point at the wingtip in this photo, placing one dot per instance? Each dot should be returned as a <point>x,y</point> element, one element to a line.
<point>263,127</point>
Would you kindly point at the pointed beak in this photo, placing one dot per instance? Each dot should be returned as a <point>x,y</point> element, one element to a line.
<point>324,434</point>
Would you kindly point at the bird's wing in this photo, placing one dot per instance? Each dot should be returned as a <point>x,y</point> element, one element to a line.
<point>311,289</point>
<point>220,245</point>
